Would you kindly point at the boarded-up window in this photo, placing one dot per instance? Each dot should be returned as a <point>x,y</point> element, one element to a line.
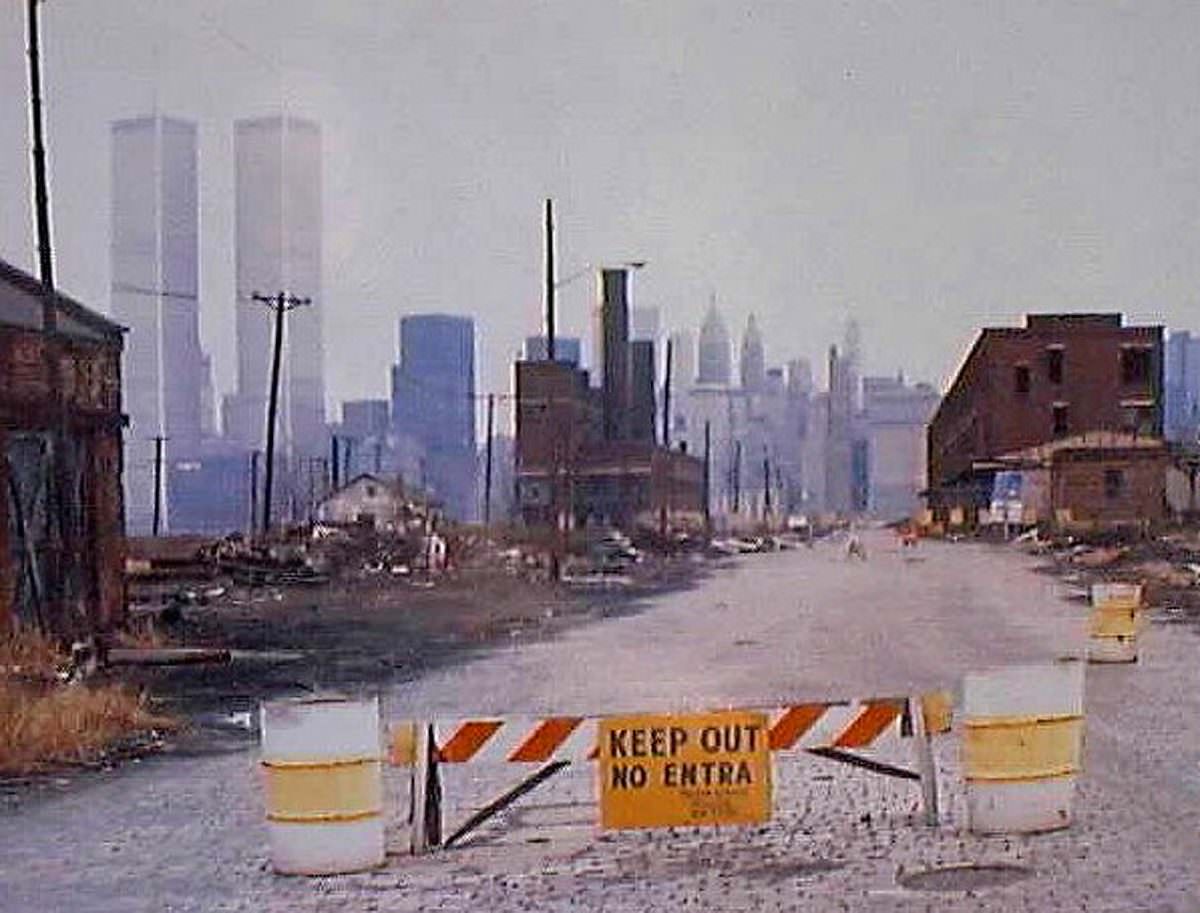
<point>1062,423</point>
<point>1054,365</point>
<point>1114,483</point>
<point>1135,365</point>
<point>1021,378</point>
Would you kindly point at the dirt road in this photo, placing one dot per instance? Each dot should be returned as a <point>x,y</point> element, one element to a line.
<point>187,834</point>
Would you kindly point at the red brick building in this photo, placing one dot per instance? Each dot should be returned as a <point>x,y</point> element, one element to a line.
<point>565,467</point>
<point>61,507</point>
<point>1059,376</point>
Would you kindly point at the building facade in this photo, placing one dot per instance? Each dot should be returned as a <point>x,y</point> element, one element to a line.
<point>154,258</point>
<point>1058,376</point>
<point>894,420</point>
<point>61,557</point>
<point>566,349</point>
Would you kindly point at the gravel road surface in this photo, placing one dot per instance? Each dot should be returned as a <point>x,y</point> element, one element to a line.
<point>187,833</point>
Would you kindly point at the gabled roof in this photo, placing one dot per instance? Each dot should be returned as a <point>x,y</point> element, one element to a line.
<point>21,298</point>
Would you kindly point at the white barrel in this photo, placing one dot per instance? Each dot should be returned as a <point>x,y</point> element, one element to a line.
<point>1113,627</point>
<point>1023,735</point>
<point>323,781</point>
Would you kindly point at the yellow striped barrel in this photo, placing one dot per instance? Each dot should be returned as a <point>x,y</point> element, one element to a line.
<point>1022,744</point>
<point>1113,626</point>
<point>323,785</point>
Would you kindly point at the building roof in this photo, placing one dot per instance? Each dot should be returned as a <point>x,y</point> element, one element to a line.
<point>1090,440</point>
<point>21,306</point>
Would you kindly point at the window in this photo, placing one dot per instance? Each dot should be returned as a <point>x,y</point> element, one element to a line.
<point>1061,424</point>
<point>1021,378</point>
<point>1054,365</point>
<point>1114,483</point>
<point>1135,365</point>
<point>370,491</point>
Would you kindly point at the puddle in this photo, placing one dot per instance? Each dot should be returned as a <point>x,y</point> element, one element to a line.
<point>967,876</point>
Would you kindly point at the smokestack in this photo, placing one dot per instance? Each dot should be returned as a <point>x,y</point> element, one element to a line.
<point>615,360</point>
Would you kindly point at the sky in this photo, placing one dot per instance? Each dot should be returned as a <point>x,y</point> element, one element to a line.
<point>927,168</point>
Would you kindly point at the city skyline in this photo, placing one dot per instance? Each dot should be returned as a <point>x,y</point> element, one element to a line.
<point>812,211</point>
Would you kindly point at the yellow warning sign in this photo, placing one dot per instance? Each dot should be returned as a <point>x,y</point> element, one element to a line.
<point>675,771</point>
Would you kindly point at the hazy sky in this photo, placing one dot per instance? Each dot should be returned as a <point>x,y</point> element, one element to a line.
<point>927,167</point>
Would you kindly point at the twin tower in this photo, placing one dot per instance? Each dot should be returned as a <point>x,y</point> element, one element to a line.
<point>155,258</point>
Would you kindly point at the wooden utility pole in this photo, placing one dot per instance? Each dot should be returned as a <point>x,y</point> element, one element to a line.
<point>549,280</point>
<point>666,421</point>
<point>158,481</point>
<point>41,194</point>
<point>254,490</point>
<point>487,467</point>
<point>280,304</point>
<point>707,476</point>
<point>333,458</point>
<point>737,477</point>
<point>766,484</point>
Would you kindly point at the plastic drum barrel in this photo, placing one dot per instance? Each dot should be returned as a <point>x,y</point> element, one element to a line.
<point>1114,622</point>
<point>323,781</point>
<point>1021,747</point>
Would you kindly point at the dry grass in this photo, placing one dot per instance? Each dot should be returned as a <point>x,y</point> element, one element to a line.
<point>44,723</point>
<point>142,634</point>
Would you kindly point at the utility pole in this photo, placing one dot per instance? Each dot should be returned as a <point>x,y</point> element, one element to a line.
<point>346,462</point>
<point>487,466</point>
<point>378,457</point>
<point>158,481</point>
<point>707,476</point>
<point>62,542</point>
<point>666,422</point>
<point>41,195</point>
<point>549,280</point>
<point>737,477</point>
<point>766,484</point>
<point>333,455</point>
<point>280,304</point>
<point>254,490</point>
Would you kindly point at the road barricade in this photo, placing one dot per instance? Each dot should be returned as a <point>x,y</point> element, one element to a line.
<point>322,776</point>
<point>659,770</point>
<point>1022,742</point>
<point>1116,611</point>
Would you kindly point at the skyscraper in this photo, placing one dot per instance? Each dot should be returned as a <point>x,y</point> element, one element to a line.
<point>615,370</point>
<point>714,350</point>
<point>278,248</point>
<point>752,362</point>
<point>154,261</point>
<point>433,402</point>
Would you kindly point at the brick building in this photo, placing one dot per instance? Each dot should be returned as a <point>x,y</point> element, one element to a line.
<point>61,507</point>
<point>1097,479</point>
<point>566,470</point>
<point>1059,376</point>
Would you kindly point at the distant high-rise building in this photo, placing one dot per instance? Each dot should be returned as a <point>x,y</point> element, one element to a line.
<point>644,395</point>
<point>208,399</point>
<point>752,362</point>
<point>1181,418</point>
<point>714,354</point>
<point>433,402</point>
<point>643,323</point>
<point>154,262</point>
<point>567,349</point>
<point>895,418</point>
<point>278,248</point>
<point>363,418</point>
<point>683,375</point>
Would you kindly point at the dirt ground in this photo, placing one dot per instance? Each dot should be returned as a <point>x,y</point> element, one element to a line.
<point>348,634</point>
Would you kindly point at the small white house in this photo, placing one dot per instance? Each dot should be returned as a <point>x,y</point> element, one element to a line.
<point>365,499</point>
